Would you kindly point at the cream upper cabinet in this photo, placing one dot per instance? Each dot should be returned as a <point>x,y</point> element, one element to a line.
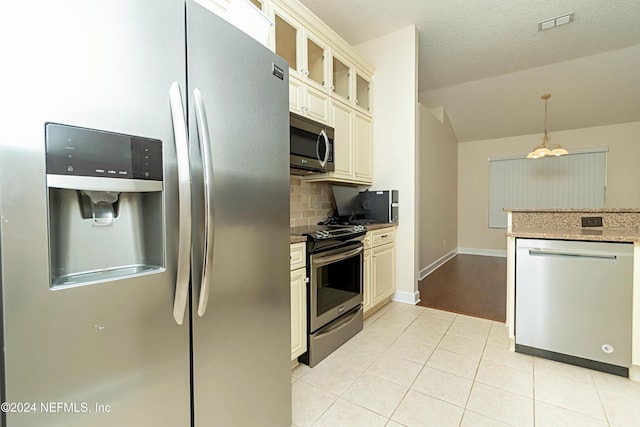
<point>352,146</point>
<point>328,82</point>
<point>296,96</point>
<point>363,98</point>
<point>341,76</point>
<point>316,104</point>
<point>305,52</point>
<point>308,101</point>
<point>363,148</point>
<point>350,85</point>
<point>287,40</point>
<point>316,67</point>
<point>342,122</point>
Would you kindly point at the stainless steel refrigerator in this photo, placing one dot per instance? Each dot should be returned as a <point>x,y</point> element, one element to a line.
<point>144,204</point>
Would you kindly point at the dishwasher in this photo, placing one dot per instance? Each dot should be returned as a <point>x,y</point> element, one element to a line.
<point>574,302</point>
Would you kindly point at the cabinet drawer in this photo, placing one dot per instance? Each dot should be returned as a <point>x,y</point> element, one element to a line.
<point>382,236</point>
<point>298,255</point>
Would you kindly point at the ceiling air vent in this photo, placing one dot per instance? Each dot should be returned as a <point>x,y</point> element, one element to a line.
<point>555,22</point>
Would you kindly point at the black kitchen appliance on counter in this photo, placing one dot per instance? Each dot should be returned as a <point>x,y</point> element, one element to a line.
<point>334,289</point>
<point>365,207</point>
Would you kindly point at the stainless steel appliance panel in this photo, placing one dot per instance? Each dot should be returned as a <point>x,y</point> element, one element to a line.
<point>574,298</point>
<point>330,337</point>
<point>102,65</point>
<point>241,311</point>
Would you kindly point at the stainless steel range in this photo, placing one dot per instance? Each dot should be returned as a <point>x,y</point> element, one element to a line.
<point>334,293</point>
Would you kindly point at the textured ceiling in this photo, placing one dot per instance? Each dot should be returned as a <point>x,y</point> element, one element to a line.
<point>462,40</point>
<point>496,42</point>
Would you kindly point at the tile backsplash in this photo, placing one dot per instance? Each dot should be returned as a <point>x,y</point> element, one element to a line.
<point>311,202</point>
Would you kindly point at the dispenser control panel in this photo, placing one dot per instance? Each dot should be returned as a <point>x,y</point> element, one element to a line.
<point>80,151</point>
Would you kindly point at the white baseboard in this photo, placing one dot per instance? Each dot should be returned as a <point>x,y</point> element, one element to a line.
<point>406,297</point>
<point>484,252</point>
<point>435,265</point>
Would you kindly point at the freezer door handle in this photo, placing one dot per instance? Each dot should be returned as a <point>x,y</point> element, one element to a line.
<point>207,173</point>
<point>184,202</point>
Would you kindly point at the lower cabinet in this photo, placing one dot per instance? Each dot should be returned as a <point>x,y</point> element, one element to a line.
<point>379,267</point>
<point>298,300</point>
<point>383,272</point>
<point>298,312</point>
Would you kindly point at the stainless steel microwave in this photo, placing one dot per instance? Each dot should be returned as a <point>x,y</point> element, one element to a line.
<point>311,146</point>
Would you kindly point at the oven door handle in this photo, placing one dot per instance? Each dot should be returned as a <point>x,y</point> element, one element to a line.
<point>338,257</point>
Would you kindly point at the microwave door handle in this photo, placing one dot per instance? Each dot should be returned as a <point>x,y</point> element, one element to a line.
<point>184,203</point>
<point>207,172</point>
<point>323,134</point>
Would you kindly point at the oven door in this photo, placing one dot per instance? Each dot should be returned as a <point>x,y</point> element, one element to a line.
<point>335,285</point>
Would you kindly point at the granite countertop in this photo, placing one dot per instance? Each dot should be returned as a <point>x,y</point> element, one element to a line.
<point>297,239</point>
<point>616,225</point>
<point>598,234</point>
<point>370,227</point>
<point>581,210</point>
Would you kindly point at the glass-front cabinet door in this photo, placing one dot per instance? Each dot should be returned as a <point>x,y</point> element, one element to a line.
<point>341,78</point>
<point>305,52</point>
<point>316,64</point>
<point>288,37</point>
<point>363,93</point>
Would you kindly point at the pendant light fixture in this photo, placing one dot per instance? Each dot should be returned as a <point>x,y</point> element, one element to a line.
<point>543,149</point>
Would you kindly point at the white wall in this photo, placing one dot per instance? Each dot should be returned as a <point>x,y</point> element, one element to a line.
<point>438,189</point>
<point>623,175</point>
<point>395,137</point>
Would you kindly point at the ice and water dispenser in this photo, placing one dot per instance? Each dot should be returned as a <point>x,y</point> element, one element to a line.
<point>105,205</point>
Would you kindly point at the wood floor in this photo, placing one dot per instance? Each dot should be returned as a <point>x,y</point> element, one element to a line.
<point>468,284</point>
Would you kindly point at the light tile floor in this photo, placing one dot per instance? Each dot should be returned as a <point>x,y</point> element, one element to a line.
<point>416,366</point>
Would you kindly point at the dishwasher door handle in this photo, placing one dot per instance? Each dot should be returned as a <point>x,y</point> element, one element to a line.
<point>548,252</point>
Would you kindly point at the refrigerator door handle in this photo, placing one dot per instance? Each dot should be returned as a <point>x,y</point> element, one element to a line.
<point>207,173</point>
<point>184,201</point>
